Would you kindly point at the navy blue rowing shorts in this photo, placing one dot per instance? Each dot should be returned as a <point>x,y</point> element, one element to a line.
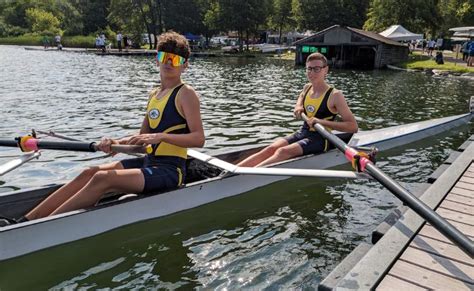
<point>310,141</point>
<point>159,177</point>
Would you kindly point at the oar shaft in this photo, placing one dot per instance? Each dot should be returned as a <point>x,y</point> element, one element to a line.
<point>69,146</point>
<point>8,143</point>
<point>422,209</point>
<point>37,144</point>
<point>406,197</point>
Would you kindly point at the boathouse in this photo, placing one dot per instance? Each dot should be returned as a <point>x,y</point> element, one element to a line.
<point>348,47</point>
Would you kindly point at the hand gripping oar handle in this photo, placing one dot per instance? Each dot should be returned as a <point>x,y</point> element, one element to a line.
<point>406,197</point>
<point>29,143</point>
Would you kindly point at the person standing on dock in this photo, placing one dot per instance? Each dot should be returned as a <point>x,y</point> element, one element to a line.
<point>171,125</point>
<point>125,43</point>
<point>102,42</point>
<point>119,41</point>
<point>45,41</point>
<point>57,40</point>
<point>321,103</point>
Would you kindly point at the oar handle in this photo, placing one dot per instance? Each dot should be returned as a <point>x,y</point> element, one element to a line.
<point>337,142</point>
<point>131,149</point>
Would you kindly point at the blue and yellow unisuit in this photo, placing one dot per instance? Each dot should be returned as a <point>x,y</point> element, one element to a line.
<point>310,141</point>
<point>165,167</point>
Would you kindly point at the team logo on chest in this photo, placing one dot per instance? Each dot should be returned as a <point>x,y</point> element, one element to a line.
<point>154,114</point>
<point>310,108</point>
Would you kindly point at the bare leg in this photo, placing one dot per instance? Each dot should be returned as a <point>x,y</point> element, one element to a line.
<point>57,198</point>
<point>282,154</point>
<point>129,180</point>
<point>264,154</point>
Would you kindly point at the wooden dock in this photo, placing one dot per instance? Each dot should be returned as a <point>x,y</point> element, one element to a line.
<point>413,255</point>
<point>431,261</point>
<point>137,52</point>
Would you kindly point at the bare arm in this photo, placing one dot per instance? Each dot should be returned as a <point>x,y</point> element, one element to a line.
<point>299,107</point>
<point>339,105</point>
<point>107,142</point>
<point>189,104</point>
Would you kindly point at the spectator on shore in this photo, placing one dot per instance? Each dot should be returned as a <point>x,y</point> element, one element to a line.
<point>423,46</point>
<point>465,51</point>
<point>470,59</point>
<point>97,42</point>
<point>57,41</point>
<point>413,45</point>
<point>439,58</point>
<point>431,46</point>
<point>119,41</point>
<point>100,43</point>
<point>103,41</point>
<point>45,41</point>
<point>125,43</point>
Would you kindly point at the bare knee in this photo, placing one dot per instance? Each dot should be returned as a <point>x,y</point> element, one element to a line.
<point>101,179</point>
<point>89,172</point>
<point>271,149</point>
<point>284,153</point>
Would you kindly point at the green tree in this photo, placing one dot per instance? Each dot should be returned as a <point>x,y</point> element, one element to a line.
<point>129,16</point>
<point>455,13</point>
<point>320,14</point>
<point>243,16</point>
<point>42,21</point>
<point>415,15</point>
<point>93,14</point>
<point>280,17</point>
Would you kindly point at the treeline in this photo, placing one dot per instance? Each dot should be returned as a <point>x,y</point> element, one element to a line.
<point>211,17</point>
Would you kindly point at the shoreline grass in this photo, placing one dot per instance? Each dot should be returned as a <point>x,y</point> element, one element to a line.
<point>78,41</point>
<point>421,62</point>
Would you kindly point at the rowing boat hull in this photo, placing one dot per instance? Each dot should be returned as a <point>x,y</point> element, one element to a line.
<point>24,238</point>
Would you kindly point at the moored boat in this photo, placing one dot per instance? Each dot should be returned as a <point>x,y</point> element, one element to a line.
<point>204,185</point>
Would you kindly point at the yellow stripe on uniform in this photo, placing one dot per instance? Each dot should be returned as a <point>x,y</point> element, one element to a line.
<point>180,177</point>
<point>166,149</point>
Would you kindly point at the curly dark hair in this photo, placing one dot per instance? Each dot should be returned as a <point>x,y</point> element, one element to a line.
<point>173,42</point>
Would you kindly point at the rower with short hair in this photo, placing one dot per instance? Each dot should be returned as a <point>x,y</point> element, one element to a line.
<point>321,103</point>
<point>172,124</point>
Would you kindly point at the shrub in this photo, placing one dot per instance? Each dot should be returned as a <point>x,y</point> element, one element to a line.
<point>41,21</point>
<point>79,41</point>
<point>26,39</point>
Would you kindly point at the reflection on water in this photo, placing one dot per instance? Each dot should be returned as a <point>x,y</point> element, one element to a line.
<point>286,235</point>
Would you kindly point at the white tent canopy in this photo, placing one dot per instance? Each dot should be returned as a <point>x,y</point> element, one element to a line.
<point>399,33</point>
<point>466,31</point>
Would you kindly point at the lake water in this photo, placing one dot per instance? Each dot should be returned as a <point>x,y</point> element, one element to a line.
<point>287,235</point>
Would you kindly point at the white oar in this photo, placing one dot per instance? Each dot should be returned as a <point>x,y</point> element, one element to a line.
<point>13,164</point>
<point>231,168</point>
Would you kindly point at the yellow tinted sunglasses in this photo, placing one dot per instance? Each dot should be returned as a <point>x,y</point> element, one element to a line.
<point>176,60</point>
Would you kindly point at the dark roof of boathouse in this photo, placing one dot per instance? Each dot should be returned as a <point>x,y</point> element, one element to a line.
<point>364,33</point>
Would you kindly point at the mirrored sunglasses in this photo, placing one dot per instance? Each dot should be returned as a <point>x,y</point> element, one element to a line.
<point>176,60</point>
